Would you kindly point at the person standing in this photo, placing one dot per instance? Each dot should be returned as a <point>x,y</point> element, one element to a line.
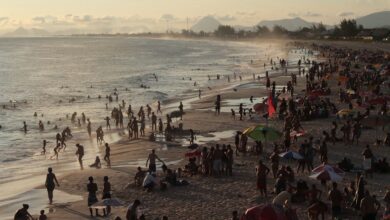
<point>80,153</point>
<point>369,207</point>
<point>159,107</point>
<point>51,179</point>
<point>261,174</point>
<point>152,161</point>
<point>89,128</point>
<point>133,212</point>
<point>181,110</point>
<point>108,153</point>
<point>336,197</point>
<point>107,193</point>
<point>92,199</point>
<point>25,127</point>
<point>154,122</point>
<point>237,141</point>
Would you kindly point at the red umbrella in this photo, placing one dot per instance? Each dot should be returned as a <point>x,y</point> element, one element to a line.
<point>264,212</point>
<point>327,167</point>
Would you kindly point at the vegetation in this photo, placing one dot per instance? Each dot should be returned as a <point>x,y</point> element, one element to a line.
<point>346,29</point>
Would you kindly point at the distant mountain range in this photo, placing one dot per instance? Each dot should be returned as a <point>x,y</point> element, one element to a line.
<point>374,20</point>
<point>23,32</point>
<point>206,24</point>
<point>292,24</point>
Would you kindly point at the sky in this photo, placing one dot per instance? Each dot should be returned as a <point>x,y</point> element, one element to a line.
<point>156,15</point>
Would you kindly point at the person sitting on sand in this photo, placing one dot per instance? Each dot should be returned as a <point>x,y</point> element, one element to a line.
<point>23,214</point>
<point>97,164</point>
<point>191,167</point>
<point>150,181</point>
<point>139,177</point>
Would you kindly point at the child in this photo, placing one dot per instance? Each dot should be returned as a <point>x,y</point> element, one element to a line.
<point>42,216</point>
<point>233,114</point>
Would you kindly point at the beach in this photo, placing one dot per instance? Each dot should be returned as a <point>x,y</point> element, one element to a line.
<point>210,197</point>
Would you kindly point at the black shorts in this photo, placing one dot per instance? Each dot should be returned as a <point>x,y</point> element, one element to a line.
<point>152,167</point>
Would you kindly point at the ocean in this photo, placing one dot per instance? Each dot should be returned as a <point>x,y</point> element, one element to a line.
<point>55,77</point>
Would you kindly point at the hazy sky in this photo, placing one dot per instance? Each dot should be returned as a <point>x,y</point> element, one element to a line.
<point>133,15</point>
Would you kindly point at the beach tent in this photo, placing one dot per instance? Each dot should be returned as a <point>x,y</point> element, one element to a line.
<point>262,133</point>
<point>264,212</point>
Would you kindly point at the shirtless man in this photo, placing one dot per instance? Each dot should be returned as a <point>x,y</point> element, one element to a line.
<point>152,161</point>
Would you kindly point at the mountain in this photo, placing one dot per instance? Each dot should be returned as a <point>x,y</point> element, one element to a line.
<point>292,24</point>
<point>206,24</point>
<point>23,32</point>
<point>375,20</point>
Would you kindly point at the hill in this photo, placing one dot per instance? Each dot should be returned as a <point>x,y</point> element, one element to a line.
<point>206,24</point>
<point>375,20</point>
<point>292,24</point>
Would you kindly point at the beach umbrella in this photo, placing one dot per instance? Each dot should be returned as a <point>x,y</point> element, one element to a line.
<point>264,212</point>
<point>327,167</point>
<point>327,175</point>
<point>263,133</point>
<point>114,202</point>
<point>291,155</point>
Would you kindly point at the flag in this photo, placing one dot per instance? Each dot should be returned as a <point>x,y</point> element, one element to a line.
<point>271,107</point>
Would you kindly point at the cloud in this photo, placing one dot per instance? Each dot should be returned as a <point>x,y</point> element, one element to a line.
<point>226,18</point>
<point>311,14</point>
<point>307,14</point>
<point>168,17</point>
<point>3,21</point>
<point>346,14</point>
<point>293,15</point>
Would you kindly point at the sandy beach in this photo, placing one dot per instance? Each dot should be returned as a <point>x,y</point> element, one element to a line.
<point>216,197</point>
